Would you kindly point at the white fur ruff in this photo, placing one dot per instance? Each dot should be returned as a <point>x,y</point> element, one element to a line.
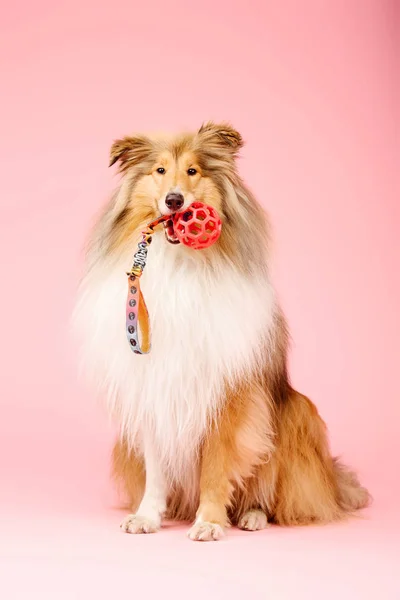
<point>208,324</point>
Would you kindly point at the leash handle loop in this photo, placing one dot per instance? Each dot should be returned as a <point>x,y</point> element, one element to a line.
<point>137,316</point>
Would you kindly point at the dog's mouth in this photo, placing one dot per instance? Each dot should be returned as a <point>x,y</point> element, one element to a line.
<point>170,233</point>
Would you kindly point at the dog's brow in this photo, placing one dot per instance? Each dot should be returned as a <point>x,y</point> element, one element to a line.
<point>179,147</point>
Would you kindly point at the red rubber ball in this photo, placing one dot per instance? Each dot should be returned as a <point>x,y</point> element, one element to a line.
<point>199,226</point>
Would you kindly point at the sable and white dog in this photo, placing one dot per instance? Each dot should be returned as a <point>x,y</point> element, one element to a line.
<point>210,428</point>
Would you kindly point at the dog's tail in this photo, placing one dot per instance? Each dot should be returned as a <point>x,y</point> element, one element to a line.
<point>311,485</point>
<point>351,494</point>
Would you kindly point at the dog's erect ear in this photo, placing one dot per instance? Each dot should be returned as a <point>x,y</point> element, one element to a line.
<point>130,151</point>
<point>222,135</point>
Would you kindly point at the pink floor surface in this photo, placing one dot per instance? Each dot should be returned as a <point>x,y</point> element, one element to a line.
<point>60,538</point>
<point>62,554</point>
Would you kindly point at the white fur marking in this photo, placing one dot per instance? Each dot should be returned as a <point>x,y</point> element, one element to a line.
<point>176,190</point>
<point>153,504</point>
<point>208,324</point>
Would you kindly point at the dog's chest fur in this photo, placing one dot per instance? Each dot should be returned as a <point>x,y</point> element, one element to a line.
<point>208,324</point>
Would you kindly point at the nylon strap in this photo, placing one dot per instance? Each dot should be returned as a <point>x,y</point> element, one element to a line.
<point>137,316</point>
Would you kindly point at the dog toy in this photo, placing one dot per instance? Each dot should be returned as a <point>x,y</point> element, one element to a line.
<point>198,227</point>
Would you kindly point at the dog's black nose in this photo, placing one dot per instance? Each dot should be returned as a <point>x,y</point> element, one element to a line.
<point>174,201</point>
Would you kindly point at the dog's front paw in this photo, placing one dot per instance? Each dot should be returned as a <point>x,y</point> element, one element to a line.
<point>139,524</point>
<point>203,531</point>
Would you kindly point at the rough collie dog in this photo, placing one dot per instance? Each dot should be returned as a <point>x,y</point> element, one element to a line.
<point>211,430</point>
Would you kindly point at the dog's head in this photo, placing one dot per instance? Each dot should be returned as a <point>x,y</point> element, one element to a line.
<point>168,174</point>
<point>163,175</point>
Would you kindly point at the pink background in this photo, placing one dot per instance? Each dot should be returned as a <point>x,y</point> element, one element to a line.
<point>311,86</point>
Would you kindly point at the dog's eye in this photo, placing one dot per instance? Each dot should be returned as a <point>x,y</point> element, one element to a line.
<point>161,170</point>
<point>191,172</point>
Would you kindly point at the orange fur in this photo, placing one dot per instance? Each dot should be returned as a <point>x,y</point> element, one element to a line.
<point>284,469</point>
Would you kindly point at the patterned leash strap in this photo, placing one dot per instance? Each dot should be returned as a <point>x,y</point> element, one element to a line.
<point>137,316</point>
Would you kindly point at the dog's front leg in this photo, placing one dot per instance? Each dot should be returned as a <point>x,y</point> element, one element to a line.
<point>148,516</point>
<point>215,488</point>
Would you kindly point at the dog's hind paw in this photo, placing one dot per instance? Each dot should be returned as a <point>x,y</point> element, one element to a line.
<point>253,520</point>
